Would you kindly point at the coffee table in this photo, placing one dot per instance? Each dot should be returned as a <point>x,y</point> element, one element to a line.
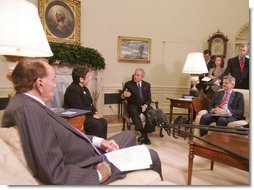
<point>238,144</point>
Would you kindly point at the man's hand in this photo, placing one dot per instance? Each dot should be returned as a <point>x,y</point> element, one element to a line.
<point>126,93</point>
<point>220,110</point>
<point>105,171</point>
<point>109,146</point>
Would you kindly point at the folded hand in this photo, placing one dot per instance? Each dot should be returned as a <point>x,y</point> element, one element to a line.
<point>109,145</point>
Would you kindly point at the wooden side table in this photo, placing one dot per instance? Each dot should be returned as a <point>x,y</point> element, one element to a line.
<point>181,103</point>
<point>77,121</point>
<point>238,144</point>
<point>75,117</point>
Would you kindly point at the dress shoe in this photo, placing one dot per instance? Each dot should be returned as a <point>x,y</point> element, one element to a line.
<point>139,138</point>
<point>145,141</point>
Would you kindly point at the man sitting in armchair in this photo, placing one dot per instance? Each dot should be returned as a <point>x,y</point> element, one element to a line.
<point>226,106</point>
<point>137,93</point>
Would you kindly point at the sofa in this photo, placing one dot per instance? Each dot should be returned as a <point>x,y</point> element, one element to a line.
<point>14,169</point>
<point>235,123</point>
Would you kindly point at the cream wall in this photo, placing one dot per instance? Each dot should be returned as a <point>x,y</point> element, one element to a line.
<point>175,28</point>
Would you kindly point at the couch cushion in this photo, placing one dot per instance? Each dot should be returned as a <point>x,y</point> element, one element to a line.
<point>12,171</point>
<point>12,138</point>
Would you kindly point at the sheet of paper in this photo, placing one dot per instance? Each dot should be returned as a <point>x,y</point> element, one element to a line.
<point>206,79</point>
<point>131,158</point>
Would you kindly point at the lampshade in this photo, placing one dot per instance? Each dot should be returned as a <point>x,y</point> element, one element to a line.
<point>195,64</point>
<point>21,32</point>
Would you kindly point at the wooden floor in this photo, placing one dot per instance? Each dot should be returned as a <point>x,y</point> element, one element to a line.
<point>174,157</point>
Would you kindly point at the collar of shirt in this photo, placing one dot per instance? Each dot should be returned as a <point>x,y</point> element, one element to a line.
<point>36,98</point>
<point>241,58</point>
<point>139,83</point>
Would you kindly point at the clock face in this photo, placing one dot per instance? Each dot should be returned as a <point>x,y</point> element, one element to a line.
<point>217,46</point>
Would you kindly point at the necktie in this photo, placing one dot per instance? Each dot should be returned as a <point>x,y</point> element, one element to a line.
<point>140,91</point>
<point>241,63</point>
<point>224,100</point>
<point>87,138</point>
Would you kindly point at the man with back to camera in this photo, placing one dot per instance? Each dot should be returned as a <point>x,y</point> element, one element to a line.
<point>226,106</point>
<point>57,152</point>
<point>137,93</point>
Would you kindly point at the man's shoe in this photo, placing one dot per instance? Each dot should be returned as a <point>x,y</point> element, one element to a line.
<point>139,138</point>
<point>147,141</point>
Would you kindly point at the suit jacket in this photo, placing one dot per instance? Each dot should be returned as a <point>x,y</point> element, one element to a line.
<point>135,99</point>
<point>79,98</point>
<point>241,78</point>
<point>210,64</point>
<point>235,103</point>
<point>55,151</point>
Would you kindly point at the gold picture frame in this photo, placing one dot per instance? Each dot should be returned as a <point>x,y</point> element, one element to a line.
<point>134,50</point>
<point>61,20</point>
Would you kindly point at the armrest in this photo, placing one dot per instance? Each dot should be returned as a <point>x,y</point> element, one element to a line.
<point>199,115</point>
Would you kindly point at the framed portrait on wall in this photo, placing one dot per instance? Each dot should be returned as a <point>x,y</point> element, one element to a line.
<point>61,20</point>
<point>133,49</point>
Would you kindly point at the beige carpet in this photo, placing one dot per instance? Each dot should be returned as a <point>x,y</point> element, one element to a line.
<point>174,157</point>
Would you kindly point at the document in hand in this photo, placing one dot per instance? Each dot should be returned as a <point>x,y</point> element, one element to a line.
<point>131,158</point>
<point>206,79</point>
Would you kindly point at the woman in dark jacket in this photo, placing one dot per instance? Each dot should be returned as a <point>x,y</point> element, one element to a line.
<point>78,96</point>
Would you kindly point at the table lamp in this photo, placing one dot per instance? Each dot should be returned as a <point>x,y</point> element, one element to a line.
<point>21,32</point>
<point>195,65</point>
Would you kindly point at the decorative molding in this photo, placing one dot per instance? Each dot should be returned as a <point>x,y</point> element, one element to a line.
<point>5,91</point>
<point>243,34</point>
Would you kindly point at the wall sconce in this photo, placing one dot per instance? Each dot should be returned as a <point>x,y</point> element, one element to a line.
<point>195,65</point>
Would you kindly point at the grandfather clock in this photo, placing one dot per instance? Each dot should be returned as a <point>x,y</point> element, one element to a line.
<point>217,43</point>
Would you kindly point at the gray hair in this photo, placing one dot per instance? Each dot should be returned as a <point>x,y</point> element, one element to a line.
<point>230,78</point>
<point>142,72</point>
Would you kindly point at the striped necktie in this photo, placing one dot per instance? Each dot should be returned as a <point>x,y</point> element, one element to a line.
<point>241,63</point>
<point>87,138</point>
<point>140,91</point>
<point>224,100</point>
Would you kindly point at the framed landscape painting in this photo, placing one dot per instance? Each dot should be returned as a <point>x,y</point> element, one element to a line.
<point>133,49</point>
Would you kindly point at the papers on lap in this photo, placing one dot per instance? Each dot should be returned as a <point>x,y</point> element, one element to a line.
<point>206,79</point>
<point>220,115</point>
<point>131,158</point>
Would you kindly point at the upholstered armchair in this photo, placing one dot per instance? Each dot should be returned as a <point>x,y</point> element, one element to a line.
<point>234,123</point>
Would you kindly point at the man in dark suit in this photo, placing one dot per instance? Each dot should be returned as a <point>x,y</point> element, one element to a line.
<point>208,60</point>
<point>56,152</point>
<point>138,95</point>
<point>226,106</point>
<point>78,96</point>
<point>238,67</point>
<point>210,64</point>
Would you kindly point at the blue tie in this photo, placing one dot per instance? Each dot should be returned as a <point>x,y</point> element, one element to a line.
<point>140,91</point>
<point>87,138</point>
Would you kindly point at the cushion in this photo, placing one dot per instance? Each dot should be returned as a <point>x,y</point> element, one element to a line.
<point>12,171</point>
<point>12,138</point>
